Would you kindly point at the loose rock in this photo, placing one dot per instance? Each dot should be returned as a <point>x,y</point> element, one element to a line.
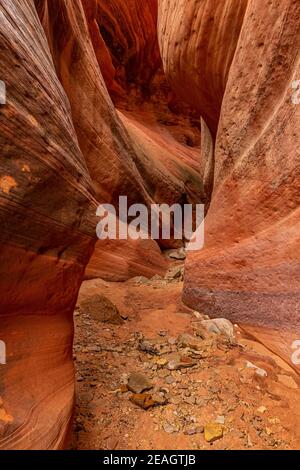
<point>213,432</point>
<point>100,308</point>
<point>176,274</point>
<point>169,428</point>
<point>179,255</point>
<point>143,400</point>
<point>189,341</point>
<point>258,370</point>
<point>138,383</point>
<point>220,326</point>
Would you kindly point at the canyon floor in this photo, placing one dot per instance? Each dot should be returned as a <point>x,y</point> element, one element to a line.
<point>223,393</point>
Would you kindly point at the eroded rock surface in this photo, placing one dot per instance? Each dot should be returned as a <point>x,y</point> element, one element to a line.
<point>47,208</point>
<point>248,270</point>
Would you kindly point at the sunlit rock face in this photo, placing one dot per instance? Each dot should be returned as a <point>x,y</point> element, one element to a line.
<point>248,270</point>
<point>101,135</point>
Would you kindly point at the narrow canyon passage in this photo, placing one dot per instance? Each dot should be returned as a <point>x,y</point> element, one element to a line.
<point>158,378</point>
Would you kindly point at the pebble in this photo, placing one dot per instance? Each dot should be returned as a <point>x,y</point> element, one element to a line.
<point>179,255</point>
<point>159,399</point>
<point>170,380</point>
<point>258,370</point>
<point>220,419</point>
<point>175,400</point>
<point>249,441</point>
<point>262,409</point>
<point>143,400</point>
<point>162,373</point>
<point>161,361</point>
<point>182,363</point>
<point>213,432</point>
<point>163,333</point>
<point>147,346</point>
<point>172,341</point>
<point>169,428</point>
<point>191,430</point>
<point>190,400</point>
<point>192,342</point>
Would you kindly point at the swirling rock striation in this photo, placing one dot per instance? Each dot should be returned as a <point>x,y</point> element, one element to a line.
<point>47,206</point>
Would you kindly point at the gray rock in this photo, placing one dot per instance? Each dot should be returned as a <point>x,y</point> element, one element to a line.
<point>172,341</point>
<point>170,380</point>
<point>159,399</point>
<point>141,280</point>
<point>189,341</point>
<point>179,255</point>
<point>192,430</point>
<point>149,347</point>
<point>176,273</point>
<point>163,333</point>
<point>177,364</point>
<point>170,428</point>
<point>258,370</point>
<point>157,277</point>
<point>100,308</point>
<point>138,383</point>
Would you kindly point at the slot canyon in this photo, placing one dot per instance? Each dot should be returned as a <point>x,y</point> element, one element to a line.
<point>141,343</point>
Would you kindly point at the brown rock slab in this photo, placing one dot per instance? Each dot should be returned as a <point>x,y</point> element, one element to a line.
<point>182,362</point>
<point>189,341</point>
<point>100,308</point>
<point>138,383</point>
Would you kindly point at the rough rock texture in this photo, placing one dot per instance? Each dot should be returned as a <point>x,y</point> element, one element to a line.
<point>119,260</point>
<point>47,236</point>
<point>64,150</point>
<point>165,133</point>
<point>249,269</point>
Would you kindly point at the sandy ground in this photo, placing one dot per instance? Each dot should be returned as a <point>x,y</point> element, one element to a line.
<point>254,411</point>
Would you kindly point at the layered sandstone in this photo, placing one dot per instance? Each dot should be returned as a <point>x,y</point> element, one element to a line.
<point>90,116</point>
<point>47,208</point>
<point>248,270</point>
<point>165,132</point>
